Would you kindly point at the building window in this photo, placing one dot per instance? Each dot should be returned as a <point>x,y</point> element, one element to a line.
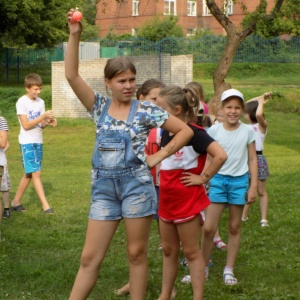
<point>191,8</point>
<point>135,7</point>
<point>170,7</point>
<point>229,10</point>
<point>191,31</point>
<point>133,31</point>
<point>206,11</point>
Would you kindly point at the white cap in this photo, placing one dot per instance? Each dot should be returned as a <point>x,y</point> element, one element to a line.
<point>232,93</point>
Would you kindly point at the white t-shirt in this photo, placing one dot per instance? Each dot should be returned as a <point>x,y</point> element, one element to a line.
<point>3,127</point>
<point>235,143</point>
<point>32,109</point>
<point>259,137</point>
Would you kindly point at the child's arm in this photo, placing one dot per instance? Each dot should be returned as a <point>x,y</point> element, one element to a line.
<point>215,160</point>
<point>3,138</point>
<point>7,146</point>
<point>262,100</point>
<point>42,119</point>
<point>183,133</point>
<point>252,161</point>
<point>84,93</point>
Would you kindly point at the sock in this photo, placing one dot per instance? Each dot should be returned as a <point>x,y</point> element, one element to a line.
<point>218,238</point>
<point>228,269</point>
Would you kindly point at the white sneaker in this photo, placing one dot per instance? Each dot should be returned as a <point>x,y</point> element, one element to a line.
<point>264,223</point>
<point>186,279</point>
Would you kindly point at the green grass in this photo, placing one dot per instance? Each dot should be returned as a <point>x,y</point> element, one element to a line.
<point>39,254</point>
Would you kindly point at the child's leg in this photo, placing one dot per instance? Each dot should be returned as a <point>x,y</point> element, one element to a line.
<point>189,233</point>
<point>39,189</point>
<point>246,212</point>
<point>263,198</point>
<point>5,198</point>
<point>24,182</point>
<point>235,221</point>
<point>212,216</point>
<point>98,237</point>
<point>170,246</point>
<point>137,235</point>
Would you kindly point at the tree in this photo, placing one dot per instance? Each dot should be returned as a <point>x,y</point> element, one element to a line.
<point>41,23</point>
<point>29,22</point>
<point>234,38</point>
<point>158,28</point>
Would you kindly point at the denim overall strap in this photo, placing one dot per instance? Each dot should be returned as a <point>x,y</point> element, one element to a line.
<point>133,109</point>
<point>104,112</point>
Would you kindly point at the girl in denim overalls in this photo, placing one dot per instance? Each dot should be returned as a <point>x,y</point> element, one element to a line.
<point>122,186</point>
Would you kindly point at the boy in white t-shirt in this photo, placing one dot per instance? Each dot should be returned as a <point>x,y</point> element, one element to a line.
<point>32,118</point>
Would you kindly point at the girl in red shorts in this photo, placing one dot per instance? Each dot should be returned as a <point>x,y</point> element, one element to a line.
<point>182,191</point>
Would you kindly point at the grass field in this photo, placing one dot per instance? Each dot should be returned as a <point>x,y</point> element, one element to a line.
<point>39,254</point>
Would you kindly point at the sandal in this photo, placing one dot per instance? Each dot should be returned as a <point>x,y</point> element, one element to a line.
<point>220,245</point>
<point>49,211</point>
<point>19,208</point>
<point>229,278</point>
<point>264,223</point>
<point>123,291</point>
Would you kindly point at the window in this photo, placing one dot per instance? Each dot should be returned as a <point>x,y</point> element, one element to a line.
<point>191,31</point>
<point>135,7</point>
<point>170,7</point>
<point>206,11</point>
<point>230,7</point>
<point>133,31</point>
<point>191,8</point>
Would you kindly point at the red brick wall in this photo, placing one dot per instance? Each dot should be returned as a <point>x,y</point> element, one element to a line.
<point>119,15</point>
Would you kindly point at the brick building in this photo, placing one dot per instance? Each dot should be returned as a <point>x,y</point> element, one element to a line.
<point>126,16</point>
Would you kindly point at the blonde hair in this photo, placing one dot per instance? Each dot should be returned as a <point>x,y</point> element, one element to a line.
<point>187,98</point>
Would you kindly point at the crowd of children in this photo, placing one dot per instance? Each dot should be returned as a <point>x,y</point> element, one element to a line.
<point>161,155</point>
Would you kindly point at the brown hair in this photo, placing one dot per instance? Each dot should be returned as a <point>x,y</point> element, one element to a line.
<point>147,86</point>
<point>187,98</point>
<point>117,65</point>
<point>33,79</point>
<point>250,109</point>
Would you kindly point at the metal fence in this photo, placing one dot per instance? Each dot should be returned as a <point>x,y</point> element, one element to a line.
<point>204,49</point>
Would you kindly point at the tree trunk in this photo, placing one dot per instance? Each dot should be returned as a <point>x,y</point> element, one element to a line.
<point>224,64</point>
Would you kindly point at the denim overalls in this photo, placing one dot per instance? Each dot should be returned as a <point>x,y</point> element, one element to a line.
<point>122,185</point>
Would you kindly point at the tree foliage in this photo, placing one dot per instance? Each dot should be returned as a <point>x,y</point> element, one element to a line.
<point>159,28</point>
<point>41,23</point>
<point>287,21</point>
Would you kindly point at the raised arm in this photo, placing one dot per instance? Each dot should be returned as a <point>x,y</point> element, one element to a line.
<point>84,93</point>
<point>183,133</point>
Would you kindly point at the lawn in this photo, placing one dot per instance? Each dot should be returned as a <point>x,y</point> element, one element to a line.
<point>39,254</point>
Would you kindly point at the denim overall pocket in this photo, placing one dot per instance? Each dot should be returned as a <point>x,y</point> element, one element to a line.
<point>112,153</point>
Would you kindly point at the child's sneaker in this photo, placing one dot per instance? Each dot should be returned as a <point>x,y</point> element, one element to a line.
<point>6,214</point>
<point>186,279</point>
<point>264,223</point>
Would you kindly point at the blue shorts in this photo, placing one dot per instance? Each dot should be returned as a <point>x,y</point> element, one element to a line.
<point>127,194</point>
<point>229,189</point>
<point>32,155</point>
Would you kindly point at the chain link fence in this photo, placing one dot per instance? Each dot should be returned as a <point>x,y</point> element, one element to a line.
<point>16,63</point>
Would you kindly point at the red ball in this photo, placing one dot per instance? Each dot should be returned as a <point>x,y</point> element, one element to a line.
<point>77,16</point>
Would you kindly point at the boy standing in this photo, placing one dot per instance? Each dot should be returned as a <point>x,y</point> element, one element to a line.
<point>32,118</point>
<point>3,143</point>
